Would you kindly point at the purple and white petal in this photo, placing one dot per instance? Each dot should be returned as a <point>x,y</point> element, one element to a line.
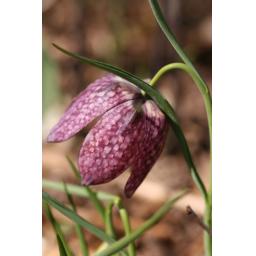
<point>108,149</point>
<point>100,96</point>
<point>149,146</point>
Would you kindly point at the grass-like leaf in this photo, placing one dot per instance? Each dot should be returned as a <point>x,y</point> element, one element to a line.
<point>201,84</point>
<point>162,103</point>
<point>79,231</point>
<point>150,91</point>
<point>172,39</point>
<point>73,168</point>
<point>78,219</point>
<point>64,249</point>
<point>76,190</point>
<point>153,220</point>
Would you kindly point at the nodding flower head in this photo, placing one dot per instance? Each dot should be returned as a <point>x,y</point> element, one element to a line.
<point>130,131</point>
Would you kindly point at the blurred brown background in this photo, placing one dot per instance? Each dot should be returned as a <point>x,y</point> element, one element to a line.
<point>126,34</point>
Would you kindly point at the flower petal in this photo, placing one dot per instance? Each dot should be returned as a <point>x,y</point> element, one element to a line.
<point>108,149</point>
<point>149,146</point>
<point>100,96</point>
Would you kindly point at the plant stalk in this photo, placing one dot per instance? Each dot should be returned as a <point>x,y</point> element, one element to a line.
<point>206,97</point>
<point>127,226</point>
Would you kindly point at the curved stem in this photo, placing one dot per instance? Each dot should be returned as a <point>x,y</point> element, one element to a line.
<point>203,90</point>
<point>199,81</point>
<point>208,107</point>
<point>165,69</point>
<point>172,39</point>
<point>207,101</point>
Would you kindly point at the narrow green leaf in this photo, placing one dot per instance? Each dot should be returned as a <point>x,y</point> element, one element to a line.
<point>201,84</point>
<point>172,39</point>
<point>82,241</point>
<point>150,91</point>
<point>73,168</point>
<point>160,101</point>
<point>78,219</point>
<point>153,220</point>
<point>63,246</point>
<point>75,190</point>
<point>92,195</point>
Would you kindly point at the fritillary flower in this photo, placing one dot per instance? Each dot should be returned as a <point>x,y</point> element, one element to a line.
<point>130,131</point>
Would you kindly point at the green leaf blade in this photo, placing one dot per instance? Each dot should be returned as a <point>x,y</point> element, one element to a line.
<point>75,190</point>
<point>73,168</point>
<point>79,232</point>
<point>78,219</point>
<point>172,39</point>
<point>150,91</point>
<point>62,244</point>
<point>154,219</point>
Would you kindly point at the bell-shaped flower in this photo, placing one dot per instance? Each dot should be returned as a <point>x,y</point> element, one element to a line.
<point>130,131</point>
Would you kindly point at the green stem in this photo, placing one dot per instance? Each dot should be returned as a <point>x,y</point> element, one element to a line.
<point>122,243</point>
<point>127,226</point>
<point>109,221</point>
<point>177,129</point>
<point>165,69</point>
<point>203,89</point>
<point>208,106</point>
<point>208,222</point>
<point>171,37</point>
<point>109,227</point>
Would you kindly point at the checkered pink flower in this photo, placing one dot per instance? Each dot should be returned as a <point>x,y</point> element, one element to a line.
<point>130,132</point>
